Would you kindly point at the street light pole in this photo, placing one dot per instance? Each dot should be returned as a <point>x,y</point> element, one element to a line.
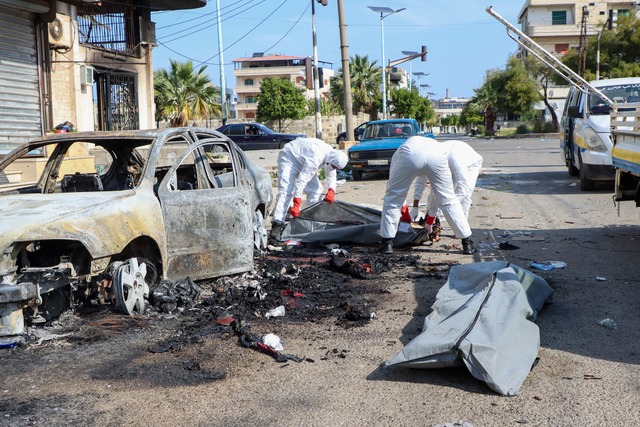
<point>316,84</point>
<point>223,89</point>
<point>384,12</point>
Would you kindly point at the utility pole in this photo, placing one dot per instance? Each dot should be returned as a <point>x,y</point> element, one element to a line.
<point>223,89</point>
<point>346,73</point>
<point>582,46</point>
<point>316,83</point>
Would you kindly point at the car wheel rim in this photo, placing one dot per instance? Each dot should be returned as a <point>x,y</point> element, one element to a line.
<point>130,287</point>
<point>259,231</point>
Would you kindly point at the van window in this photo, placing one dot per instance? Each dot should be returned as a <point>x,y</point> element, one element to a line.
<point>622,94</point>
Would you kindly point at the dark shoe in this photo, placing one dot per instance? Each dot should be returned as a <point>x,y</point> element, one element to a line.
<point>276,231</point>
<point>468,247</point>
<point>387,246</point>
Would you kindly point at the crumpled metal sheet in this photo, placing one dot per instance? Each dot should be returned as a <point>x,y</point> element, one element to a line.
<point>482,318</point>
<point>345,223</point>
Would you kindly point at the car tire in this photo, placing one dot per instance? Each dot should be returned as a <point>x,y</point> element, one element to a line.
<point>357,175</point>
<point>586,184</point>
<point>283,143</point>
<point>572,169</point>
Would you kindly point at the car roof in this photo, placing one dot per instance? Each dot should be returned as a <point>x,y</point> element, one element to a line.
<point>620,81</point>
<point>391,121</point>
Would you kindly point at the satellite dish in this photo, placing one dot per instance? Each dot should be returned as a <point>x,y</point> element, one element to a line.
<point>55,29</point>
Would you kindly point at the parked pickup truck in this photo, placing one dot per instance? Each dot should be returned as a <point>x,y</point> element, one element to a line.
<point>625,132</point>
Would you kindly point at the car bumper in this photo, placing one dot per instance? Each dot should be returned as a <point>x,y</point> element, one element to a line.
<point>370,165</point>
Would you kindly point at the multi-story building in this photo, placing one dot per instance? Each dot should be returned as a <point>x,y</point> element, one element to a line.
<point>446,107</point>
<point>557,25</point>
<point>251,72</point>
<point>86,62</point>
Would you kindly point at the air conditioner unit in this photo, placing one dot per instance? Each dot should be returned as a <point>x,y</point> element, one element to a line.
<point>86,75</point>
<point>148,32</point>
<point>60,32</point>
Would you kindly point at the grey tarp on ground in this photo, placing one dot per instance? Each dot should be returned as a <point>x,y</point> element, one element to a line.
<point>482,317</point>
<point>346,223</point>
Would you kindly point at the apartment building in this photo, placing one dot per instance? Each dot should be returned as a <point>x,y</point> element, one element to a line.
<point>557,25</point>
<point>251,72</point>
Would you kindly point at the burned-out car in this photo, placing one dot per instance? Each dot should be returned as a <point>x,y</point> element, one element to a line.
<point>95,217</point>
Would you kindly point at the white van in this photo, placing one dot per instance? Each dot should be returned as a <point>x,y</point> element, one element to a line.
<point>586,126</point>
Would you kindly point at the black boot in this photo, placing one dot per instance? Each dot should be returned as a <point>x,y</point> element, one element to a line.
<point>276,231</point>
<point>468,247</point>
<point>387,246</point>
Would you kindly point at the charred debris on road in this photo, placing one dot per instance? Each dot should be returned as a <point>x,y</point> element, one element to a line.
<point>312,283</point>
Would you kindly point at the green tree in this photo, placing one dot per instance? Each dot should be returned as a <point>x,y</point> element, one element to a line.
<point>366,79</point>
<point>280,100</point>
<point>182,94</point>
<point>543,76</point>
<point>470,115</point>
<point>619,51</point>
<point>485,99</point>
<point>405,102</point>
<point>425,112</point>
<point>517,93</point>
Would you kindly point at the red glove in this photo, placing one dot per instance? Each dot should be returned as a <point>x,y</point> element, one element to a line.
<point>405,216</point>
<point>295,210</point>
<point>330,196</point>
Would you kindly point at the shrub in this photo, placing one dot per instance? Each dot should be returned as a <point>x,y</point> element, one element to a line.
<point>522,129</point>
<point>549,127</point>
<point>481,129</point>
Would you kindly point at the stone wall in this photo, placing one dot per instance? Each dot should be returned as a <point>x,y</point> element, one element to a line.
<point>331,125</point>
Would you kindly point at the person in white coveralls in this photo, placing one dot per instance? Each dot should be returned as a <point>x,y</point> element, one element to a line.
<point>298,165</point>
<point>428,159</point>
<point>465,164</point>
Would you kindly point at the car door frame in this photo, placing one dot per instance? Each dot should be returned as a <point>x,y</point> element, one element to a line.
<point>209,231</point>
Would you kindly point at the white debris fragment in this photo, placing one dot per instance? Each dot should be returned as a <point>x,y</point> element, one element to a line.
<point>273,341</point>
<point>275,312</point>
<point>608,323</point>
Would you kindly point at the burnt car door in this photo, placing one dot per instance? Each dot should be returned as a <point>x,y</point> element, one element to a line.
<point>207,213</point>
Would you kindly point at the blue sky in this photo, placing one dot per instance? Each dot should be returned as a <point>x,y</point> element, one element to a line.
<point>462,39</point>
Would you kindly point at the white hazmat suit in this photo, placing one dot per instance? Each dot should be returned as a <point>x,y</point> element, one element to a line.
<point>465,164</point>
<point>298,165</point>
<point>428,159</point>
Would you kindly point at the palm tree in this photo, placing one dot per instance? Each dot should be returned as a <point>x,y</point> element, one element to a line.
<point>183,94</point>
<point>366,79</point>
<point>485,100</point>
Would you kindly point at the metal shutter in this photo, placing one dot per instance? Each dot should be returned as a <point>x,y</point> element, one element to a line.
<point>20,108</point>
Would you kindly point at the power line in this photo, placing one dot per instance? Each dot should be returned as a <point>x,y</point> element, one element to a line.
<point>204,15</point>
<point>206,25</point>
<point>288,31</point>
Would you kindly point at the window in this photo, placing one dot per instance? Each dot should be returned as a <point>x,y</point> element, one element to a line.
<point>559,17</point>
<point>236,130</point>
<point>562,48</point>
<point>248,82</point>
<point>250,99</point>
<point>115,97</point>
<point>205,167</point>
<point>108,26</point>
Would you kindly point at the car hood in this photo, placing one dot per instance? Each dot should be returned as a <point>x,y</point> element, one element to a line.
<point>600,123</point>
<point>378,144</point>
<point>90,218</point>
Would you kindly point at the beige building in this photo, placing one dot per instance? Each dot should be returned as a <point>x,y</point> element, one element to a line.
<point>87,62</point>
<point>556,25</point>
<point>251,72</point>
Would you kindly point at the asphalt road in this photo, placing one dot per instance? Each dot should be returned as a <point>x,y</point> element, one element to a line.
<point>587,374</point>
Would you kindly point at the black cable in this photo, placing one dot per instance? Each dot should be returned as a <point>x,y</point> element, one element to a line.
<point>288,31</point>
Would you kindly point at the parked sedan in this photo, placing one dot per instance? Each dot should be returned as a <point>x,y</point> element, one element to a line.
<point>255,136</point>
<point>112,213</point>
<point>380,140</point>
<point>357,133</point>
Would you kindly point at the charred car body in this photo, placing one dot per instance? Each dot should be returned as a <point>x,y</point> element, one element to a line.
<point>106,215</point>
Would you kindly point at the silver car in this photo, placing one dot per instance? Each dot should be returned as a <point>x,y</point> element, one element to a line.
<point>94,217</point>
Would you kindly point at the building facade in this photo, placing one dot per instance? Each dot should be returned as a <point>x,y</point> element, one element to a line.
<point>85,62</point>
<point>557,26</point>
<point>251,72</point>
